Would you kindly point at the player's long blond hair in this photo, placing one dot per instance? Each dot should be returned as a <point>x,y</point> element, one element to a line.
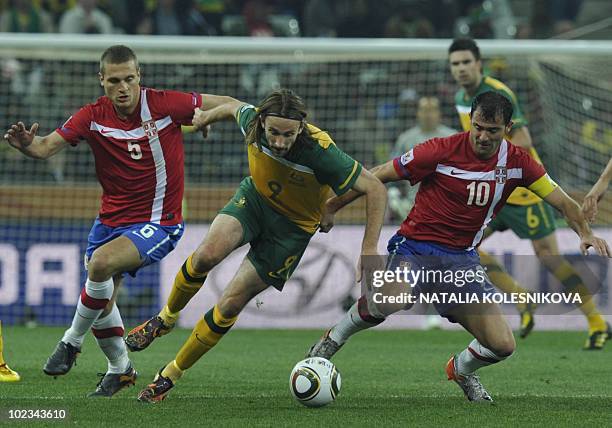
<point>283,103</point>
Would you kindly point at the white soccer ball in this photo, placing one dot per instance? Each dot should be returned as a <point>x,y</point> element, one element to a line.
<point>315,382</point>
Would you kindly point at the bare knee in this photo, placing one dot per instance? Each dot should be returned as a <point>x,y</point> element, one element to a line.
<point>545,247</point>
<point>543,252</point>
<point>207,256</point>
<point>99,267</point>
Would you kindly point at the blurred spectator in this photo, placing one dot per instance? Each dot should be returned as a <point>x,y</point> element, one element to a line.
<point>442,14</point>
<point>409,24</point>
<point>85,18</point>
<point>563,14</point>
<point>179,17</point>
<point>428,126</point>
<point>119,13</point>
<point>474,20</point>
<point>212,11</point>
<point>166,19</point>
<point>359,18</point>
<point>194,22</point>
<point>503,22</point>
<point>139,17</point>
<point>54,7</point>
<point>22,16</point>
<point>319,19</point>
<point>370,131</point>
<point>257,17</point>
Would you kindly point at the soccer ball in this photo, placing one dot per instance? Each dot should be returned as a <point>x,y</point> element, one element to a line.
<point>315,382</point>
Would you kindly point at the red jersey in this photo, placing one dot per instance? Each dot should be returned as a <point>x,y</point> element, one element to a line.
<point>459,193</point>
<point>139,160</point>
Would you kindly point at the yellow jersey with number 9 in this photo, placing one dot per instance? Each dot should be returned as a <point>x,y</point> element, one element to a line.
<point>297,184</point>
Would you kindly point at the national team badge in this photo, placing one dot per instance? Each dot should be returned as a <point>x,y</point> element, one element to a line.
<point>240,203</point>
<point>150,129</point>
<point>501,174</point>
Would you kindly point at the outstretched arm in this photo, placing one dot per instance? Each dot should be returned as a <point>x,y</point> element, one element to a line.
<point>376,202</point>
<point>575,219</point>
<point>589,205</point>
<point>31,145</point>
<point>214,109</point>
<point>385,173</point>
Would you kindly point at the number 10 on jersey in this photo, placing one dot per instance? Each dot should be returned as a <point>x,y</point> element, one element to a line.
<point>479,193</point>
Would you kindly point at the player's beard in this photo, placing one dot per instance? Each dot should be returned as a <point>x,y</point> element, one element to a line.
<point>279,152</point>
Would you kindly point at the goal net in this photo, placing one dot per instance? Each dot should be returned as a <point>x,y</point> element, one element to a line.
<point>364,92</point>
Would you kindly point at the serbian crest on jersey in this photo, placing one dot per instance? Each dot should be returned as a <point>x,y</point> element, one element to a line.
<point>150,129</point>
<point>501,174</point>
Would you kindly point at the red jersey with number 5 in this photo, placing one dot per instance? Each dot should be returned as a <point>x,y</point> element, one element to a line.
<point>460,193</point>
<point>139,160</point>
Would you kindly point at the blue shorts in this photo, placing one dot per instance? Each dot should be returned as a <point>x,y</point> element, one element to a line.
<point>444,271</point>
<point>153,241</point>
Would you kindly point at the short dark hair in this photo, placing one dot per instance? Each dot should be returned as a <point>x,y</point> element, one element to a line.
<point>117,54</point>
<point>493,105</point>
<point>465,44</point>
<point>282,103</point>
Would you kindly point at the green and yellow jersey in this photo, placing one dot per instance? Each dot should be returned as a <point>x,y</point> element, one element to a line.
<point>463,104</point>
<point>297,185</point>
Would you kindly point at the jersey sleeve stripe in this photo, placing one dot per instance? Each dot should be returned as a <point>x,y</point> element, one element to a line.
<point>349,178</point>
<point>543,186</point>
<point>238,115</point>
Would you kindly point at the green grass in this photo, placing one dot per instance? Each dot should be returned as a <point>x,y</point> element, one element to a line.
<point>389,378</point>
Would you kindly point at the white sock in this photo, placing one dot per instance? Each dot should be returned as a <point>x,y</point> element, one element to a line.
<point>356,319</point>
<point>474,357</point>
<point>94,297</point>
<point>109,335</point>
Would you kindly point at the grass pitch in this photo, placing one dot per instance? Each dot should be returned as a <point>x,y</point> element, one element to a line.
<point>389,378</point>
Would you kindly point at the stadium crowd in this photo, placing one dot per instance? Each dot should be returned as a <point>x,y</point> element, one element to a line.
<point>312,18</point>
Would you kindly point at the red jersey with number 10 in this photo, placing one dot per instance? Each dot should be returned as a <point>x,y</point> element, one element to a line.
<point>139,160</point>
<point>460,193</point>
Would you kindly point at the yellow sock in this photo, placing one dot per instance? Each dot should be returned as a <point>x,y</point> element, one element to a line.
<point>205,335</point>
<point>500,278</point>
<point>186,284</point>
<point>572,283</point>
<point>168,316</point>
<point>172,371</point>
<point>1,346</point>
